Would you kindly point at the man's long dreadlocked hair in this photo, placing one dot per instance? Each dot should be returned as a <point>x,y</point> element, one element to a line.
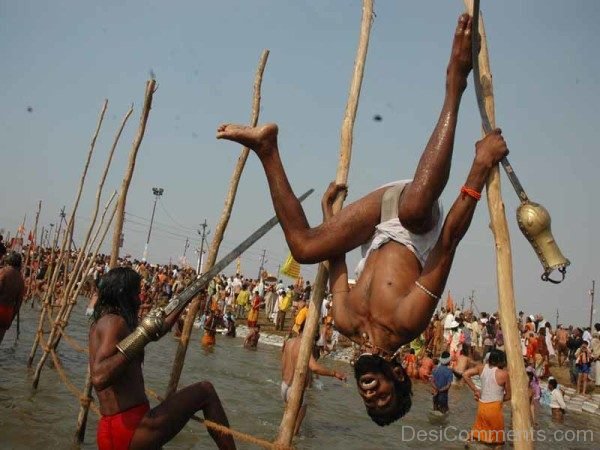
<point>118,294</point>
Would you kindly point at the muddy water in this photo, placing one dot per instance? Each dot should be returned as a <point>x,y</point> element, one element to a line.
<point>248,384</point>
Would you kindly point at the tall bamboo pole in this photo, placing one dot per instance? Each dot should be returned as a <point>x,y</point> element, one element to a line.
<point>65,310</point>
<point>288,421</point>
<point>521,417</point>
<point>67,238</point>
<point>220,230</point>
<point>83,251</point>
<point>150,89</point>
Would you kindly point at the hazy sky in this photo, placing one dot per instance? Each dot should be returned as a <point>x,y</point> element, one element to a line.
<point>63,58</point>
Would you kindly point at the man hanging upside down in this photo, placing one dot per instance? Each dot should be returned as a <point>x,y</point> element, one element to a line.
<point>408,247</point>
<point>127,421</point>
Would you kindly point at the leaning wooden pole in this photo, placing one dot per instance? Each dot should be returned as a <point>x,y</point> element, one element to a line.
<point>219,232</point>
<point>85,401</point>
<point>521,417</point>
<point>288,422</point>
<point>83,251</point>
<point>64,312</point>
<point>67,238</point>
<point>150,89</point>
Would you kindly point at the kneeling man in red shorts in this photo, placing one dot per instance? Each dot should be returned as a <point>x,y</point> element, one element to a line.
<point>127,421</point>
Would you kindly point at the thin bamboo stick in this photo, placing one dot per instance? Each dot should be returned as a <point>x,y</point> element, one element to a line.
<point>84,408</point>
<point>65,311</point>
<point>290,415</point>
<point>521,418</point>
<point>83,251</point>
<point>220,230</point>
<point>150,89</point>
<point>28,257</point>
<point>67,238</point>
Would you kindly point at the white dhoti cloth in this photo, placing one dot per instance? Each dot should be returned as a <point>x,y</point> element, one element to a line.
<point>390,228</point>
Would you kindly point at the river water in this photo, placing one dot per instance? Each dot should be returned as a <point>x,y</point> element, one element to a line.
<point>248,384</point>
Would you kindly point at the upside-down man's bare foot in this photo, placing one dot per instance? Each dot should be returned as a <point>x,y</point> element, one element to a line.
<point>461,60</point>
<point>261,139</point>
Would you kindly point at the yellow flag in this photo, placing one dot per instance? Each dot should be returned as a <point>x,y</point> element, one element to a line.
<point>291,267</point>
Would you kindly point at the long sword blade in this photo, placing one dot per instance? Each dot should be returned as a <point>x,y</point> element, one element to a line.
<point>179,301</point>
<point>485,120</point>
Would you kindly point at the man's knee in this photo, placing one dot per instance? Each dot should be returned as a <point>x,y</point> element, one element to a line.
<point>416,217</point>
<point>206,390</point>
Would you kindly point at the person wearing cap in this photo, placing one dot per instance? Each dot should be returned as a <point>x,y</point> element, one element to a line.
<point>12,291</point>
<point>441,380</point>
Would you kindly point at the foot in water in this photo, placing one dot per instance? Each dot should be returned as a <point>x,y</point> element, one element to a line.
<point>261,139</point>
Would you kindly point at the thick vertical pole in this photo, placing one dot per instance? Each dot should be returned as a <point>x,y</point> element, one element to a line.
<point>219,232</point>
<point>288,422</point>
<point>521,417</point>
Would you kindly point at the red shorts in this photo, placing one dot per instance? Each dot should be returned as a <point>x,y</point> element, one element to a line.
<point>115,432</point>
<point>7,314</point>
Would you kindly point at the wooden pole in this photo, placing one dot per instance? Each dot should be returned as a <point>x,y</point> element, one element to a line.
<point>84,408</point>
<point>67,306</point>
<point>150,89</point>
<point>32,243</point>
<point>288,422</point>
<point>219,232</point>
<point>83,251</point>
<point>521,417</point>
<point>67,238</point>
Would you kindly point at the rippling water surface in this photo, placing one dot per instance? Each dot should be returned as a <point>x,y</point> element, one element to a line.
<point>248,384</point>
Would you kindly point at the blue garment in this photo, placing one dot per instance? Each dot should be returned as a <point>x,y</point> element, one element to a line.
<point>441,376</point>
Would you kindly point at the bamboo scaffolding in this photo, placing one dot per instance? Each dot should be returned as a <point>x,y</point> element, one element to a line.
<point>137,141</point>
<point>67,238</point>
<point>65,310</point>
<point>521,418</point>
<point>83,251</point>
<point>290,415</point>
<point>219,232</point>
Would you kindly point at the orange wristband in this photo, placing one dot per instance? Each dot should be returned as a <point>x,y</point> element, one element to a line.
<point>470,192</point>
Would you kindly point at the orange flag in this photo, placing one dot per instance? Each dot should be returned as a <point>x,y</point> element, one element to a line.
<point>449,303</point>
